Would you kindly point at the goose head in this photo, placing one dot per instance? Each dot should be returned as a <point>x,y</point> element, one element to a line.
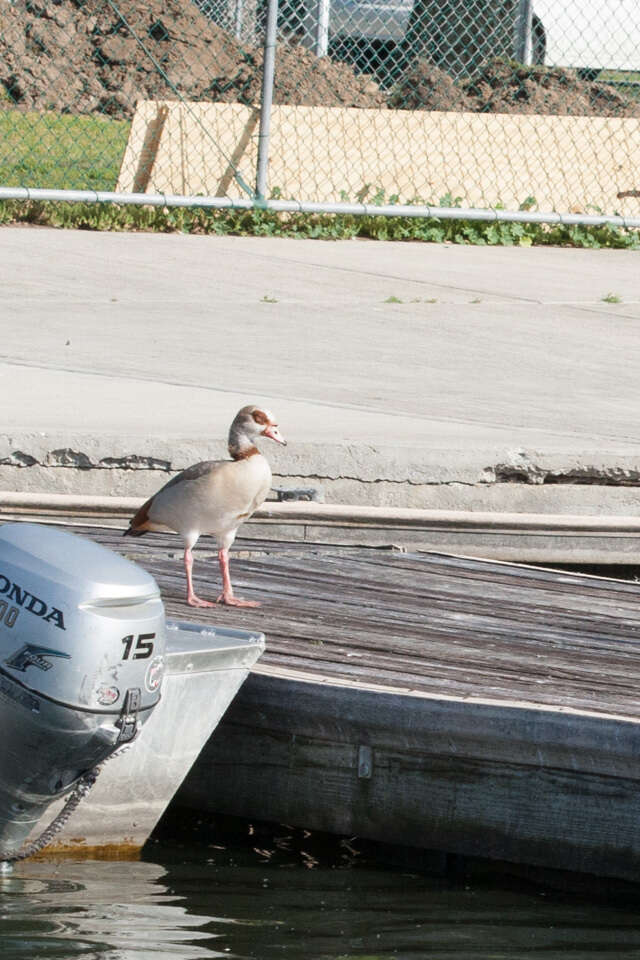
<point>248,424</point>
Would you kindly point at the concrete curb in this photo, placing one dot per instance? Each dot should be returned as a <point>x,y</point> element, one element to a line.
<point>491,479</point>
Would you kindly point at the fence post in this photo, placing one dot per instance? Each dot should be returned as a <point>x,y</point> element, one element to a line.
<point>266,99</point>
<point>322,28</point>
<point>524,47</point>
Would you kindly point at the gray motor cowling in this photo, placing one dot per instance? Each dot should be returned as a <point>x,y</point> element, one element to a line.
<point>82,645</point>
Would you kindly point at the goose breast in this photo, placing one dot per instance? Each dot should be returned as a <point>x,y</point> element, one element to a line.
<point>212,497</point>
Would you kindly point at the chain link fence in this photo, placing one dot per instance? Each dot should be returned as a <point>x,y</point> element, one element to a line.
<point>527,107</point>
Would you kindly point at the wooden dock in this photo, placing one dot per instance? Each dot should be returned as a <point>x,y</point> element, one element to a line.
<point>435,701</point>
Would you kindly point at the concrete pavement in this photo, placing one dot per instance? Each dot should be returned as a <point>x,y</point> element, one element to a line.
<point>403,374</point>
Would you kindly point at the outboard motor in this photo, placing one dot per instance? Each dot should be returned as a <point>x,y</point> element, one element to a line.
<point>82,641</point>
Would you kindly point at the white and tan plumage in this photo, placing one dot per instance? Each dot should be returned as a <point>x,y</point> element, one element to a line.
<point>214,497</point>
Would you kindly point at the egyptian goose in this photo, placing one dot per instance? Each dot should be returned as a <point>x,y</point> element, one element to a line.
<point>214,497</point>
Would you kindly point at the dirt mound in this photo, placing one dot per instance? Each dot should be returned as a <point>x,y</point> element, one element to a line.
<point>506,87</point>
<point>81,57</point>
<point>502,86</point>
<point>302,78</point>
<point>427,87</point>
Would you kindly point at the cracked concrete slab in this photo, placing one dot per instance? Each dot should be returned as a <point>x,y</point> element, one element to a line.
<point>402,374</point>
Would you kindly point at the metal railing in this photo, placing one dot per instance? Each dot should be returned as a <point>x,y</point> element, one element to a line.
<point>478,109</point>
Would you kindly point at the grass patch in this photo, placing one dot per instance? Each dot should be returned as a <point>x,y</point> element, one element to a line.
<point>60,152</point>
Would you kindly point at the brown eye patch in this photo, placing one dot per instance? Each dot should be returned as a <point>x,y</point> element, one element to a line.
<point>260,417</point>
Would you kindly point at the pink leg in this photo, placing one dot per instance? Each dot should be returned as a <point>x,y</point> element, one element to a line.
<point>192,600</point>
<point>227,590</point>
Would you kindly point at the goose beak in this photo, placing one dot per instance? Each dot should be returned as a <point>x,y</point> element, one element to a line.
<point>274,434</point>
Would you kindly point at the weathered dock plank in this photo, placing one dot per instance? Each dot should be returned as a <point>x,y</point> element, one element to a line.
<point>425,699</point>
<point>424,623</point>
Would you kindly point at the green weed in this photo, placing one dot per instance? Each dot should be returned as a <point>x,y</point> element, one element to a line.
<point>257,222</point>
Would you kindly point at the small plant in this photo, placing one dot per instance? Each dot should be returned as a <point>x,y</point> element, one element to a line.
<point>393,299</point>
<point>363,192</point>
<point>267,299</point>
<point>448,200</point>
<point>612,298</point>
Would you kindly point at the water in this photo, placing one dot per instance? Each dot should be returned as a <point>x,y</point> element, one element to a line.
<point>289,894</point>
